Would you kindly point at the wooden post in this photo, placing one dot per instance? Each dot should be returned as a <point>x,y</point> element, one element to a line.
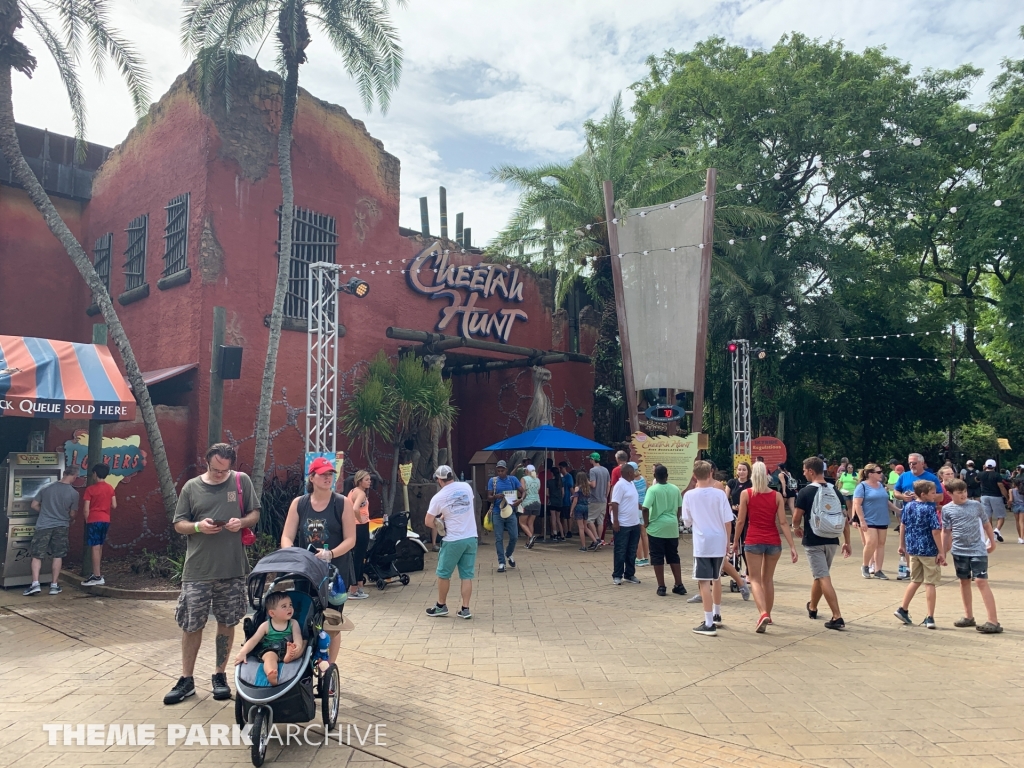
<point>444,212</point>
<point>700,362</point>
<point>424,218</point>
<point>216,414</point>
<point>620,307</point>
<point>99,336</point>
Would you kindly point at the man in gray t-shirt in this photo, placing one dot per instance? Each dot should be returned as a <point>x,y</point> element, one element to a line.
<point>599,479</point>
<point>56,504</point>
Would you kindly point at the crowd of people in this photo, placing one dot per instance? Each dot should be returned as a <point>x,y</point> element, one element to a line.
<point>737,524</point>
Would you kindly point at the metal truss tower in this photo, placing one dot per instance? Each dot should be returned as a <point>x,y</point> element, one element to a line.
<point>322,360</point>
<point>741,432</point>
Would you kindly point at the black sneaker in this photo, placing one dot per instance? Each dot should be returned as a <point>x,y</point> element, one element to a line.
<point>835,623</point>
<point>183,688</point>
<point>704,629</point>
<point>438,610</point>
<point>531,542</point>
<point>678,589</point>
<point>903,615</point>
<point>511,562</point>
<point>999,536</point>
<point>717,619</point>
<point>221,692</point>
<point>662,591</point>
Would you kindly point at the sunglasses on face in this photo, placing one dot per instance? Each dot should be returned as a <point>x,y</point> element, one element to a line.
<point>874,472</point>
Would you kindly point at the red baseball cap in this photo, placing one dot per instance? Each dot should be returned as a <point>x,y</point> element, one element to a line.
<point>320,466</point>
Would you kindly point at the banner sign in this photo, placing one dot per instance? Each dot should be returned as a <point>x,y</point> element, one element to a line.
<point>771,449</point>
<point>676,453</point>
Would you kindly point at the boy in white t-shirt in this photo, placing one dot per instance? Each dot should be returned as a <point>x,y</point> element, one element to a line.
<point>706,509</point>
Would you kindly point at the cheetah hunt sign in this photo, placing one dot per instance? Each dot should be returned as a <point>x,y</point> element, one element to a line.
<point>433,274</point>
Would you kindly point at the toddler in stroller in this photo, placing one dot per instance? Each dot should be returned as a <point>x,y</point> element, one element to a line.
<point>299,584</point>
<point>272,644</point>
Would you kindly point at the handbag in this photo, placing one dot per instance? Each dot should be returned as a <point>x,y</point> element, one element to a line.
<point>248,535</point>
<point>488,523</point>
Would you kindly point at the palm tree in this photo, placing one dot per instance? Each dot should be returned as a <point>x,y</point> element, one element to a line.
<point>393,402</point>
<point>215,31</point>
<point>83,25</point>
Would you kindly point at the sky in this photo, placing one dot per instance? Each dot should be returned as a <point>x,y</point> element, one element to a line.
<point>492,82</point>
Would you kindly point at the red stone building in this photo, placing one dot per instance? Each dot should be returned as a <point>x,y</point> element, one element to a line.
<point>182,217</point>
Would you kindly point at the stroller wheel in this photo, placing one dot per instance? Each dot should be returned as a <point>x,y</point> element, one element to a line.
<point>239,710</point>
<point>260,736</point>
<point>734,587</point>
<point>404,578</point>
<point>330,696</point>
<point>381,583</point>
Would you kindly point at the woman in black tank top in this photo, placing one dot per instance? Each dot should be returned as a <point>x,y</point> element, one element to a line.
<point>326,520</point>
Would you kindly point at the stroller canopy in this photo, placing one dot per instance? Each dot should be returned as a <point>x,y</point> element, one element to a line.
<point>298,562</point>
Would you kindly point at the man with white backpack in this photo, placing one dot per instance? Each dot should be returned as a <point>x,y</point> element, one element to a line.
<point>826,520</point>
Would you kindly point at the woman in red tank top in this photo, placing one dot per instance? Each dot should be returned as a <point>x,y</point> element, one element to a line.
<point>763,511</point>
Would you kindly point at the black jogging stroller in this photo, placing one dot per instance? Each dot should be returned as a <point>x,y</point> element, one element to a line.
<point>380,559</point>
<point>307,581</point>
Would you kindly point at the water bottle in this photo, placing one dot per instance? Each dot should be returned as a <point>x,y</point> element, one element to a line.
<point>904,570</point>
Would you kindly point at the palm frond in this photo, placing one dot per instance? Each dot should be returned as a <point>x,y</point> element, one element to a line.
<point>65,61</point>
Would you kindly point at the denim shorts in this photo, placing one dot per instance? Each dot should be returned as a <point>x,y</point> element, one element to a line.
<point>763,549</point>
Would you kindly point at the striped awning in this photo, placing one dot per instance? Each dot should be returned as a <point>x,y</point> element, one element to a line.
<point>49,379</point>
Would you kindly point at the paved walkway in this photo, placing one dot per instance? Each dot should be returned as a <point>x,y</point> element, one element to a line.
<point>558,667</point>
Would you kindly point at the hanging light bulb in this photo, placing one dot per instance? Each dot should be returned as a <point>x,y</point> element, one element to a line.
<point>972,127</point>
<point>703,198</point>
<point>672,206</point>
<point>589,226</point>
<point>777,176</point>
<point>763,238</point>
<point>732,242</point>
<point>672,249</point>
<point>642,214</point>
<point>702,246</point>
<point>997,203</point>
<point>916,142</point>
<point>910,217</point>
<point>953,209</point>
<point>646,252</point>
<point>866,153</point>
<point>739,187</point>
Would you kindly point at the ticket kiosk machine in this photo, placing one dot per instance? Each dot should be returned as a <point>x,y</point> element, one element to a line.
<point>22,476</point>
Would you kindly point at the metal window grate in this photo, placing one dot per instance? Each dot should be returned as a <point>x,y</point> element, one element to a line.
<point>314,239</point>
<point>101,258</point>
<point>135,253</point>
<point>176,235</point>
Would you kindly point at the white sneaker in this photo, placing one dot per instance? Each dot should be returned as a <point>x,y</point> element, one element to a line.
<point>1020,541</point>
<point>501,567</point>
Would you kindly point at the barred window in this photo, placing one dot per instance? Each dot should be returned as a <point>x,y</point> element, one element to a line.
<point>101,258</point>
<point>176,236</point>
<point>314,238</point>
<point>135,253</point>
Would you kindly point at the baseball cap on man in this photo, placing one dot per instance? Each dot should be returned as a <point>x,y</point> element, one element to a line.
<point>595,456</point>
<point>633,464</point>
<point>970,462</point>
<point>320,466</point>
<point>443,472</point>
<point>501,464</point>
<point>990,464</point>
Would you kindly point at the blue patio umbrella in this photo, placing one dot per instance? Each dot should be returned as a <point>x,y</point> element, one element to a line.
<point>547,438</point>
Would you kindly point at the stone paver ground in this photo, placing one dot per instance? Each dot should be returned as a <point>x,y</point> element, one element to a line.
<point>558,667</point>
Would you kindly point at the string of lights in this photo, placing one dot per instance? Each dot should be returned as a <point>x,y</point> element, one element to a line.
<point>991,327</point>
<point>868,357</point>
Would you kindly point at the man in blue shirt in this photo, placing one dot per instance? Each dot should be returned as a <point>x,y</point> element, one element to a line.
<point>504,488</point>
<point>904,488</point>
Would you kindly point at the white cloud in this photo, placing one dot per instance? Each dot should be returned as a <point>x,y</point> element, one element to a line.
<point>513,80</point>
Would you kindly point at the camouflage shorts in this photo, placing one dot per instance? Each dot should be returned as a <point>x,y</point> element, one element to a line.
<point>224,598</point>
<point>49,542</point>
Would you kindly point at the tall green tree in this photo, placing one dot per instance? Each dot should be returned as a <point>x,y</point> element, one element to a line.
<point>71,30</point>
<point>787,129</point>
<point>216,31</point>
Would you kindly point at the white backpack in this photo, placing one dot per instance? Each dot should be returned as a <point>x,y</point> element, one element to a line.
<point>827,517</point>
